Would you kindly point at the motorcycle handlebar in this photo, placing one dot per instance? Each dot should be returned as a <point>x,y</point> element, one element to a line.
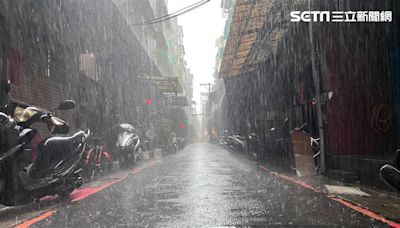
<point>87,133</point>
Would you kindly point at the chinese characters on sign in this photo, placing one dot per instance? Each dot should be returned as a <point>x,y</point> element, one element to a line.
<point>341,16</point>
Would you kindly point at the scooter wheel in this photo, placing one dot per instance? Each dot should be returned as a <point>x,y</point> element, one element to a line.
<point>64,194</point>
<point>110,166</point>
<point>123,161</point>
<point>121,164</point>
<point>107,166</point>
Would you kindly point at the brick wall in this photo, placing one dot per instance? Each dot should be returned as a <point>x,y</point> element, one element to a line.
<point>66,30</point>
<point>34,86</point>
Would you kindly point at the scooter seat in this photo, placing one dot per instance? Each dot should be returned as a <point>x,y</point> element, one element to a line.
<point>240,137</point>
<point>54,150</point>
<point>60,141</point>
<point>391,175</point>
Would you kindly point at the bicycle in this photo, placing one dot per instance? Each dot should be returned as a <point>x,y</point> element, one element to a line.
<point>317,152</point>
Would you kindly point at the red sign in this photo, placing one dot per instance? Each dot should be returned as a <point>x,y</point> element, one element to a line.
<point>314,101</point>
<point>182,126</point>
<point>148,102</point>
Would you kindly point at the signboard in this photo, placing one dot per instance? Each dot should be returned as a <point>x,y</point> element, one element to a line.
<point>180,101</point>
<point>166,84</point>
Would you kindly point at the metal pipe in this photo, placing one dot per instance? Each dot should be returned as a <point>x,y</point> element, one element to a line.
<point>318,97</point>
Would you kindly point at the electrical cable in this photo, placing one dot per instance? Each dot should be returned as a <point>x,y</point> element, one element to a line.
<point>168,15</point>
<point>175,14</point>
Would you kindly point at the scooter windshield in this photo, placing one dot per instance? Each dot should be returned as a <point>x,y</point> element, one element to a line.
<point>24,114</point>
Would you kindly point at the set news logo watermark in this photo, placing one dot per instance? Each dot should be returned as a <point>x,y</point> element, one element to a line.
<point>341,16</point>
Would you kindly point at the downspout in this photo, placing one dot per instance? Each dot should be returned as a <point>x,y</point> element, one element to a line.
<point>4,52</point>
<point>395,58</point>
<point>318,97</point>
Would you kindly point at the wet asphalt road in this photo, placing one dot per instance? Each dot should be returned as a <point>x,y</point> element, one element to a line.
<point>202,186</point>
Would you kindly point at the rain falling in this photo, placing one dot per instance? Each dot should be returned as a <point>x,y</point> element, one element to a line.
<point>199,113</point>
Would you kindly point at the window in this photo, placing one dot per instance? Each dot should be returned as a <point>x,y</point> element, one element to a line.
<point>48,64</point>
<point>88,65</point>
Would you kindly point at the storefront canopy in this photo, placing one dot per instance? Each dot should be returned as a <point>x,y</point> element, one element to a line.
<point>166,84</point>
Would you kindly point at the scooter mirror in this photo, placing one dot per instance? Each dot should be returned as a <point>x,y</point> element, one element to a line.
<point>66,105</point>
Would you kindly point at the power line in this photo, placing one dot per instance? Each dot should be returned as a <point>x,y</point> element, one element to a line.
<point>175,14</point>
<point>168,15</point>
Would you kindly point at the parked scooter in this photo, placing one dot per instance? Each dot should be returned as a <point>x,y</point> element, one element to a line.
<point>282,152</point>
<point>87,163</point>
<point>104,161</point>
<point>236,143</point>
<point>172,145</point>
<point>228,142</point>
<point>128,144</point>
<point>54,168</point>
<point>254,146</point>
<point>181,143</point>
<point>390,173</point>
<point>96,159</point>
<point>223,140</point>
<point>145,142</point>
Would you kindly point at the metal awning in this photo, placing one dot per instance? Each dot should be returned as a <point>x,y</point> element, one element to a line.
<point>180,101</point>
<point>166,84</point>
<point>248,18</point>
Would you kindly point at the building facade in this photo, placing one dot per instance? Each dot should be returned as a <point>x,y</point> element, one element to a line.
<point>163,42</point>
<point>85,50</point>
<point>268,76</point>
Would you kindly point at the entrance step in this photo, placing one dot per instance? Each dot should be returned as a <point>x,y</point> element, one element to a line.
<point>343,176</point>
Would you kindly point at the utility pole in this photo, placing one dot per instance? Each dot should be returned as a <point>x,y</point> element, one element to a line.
<point>318,97</point>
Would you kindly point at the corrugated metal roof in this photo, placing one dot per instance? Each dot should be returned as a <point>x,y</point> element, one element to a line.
<point>248,44</point>
<point>248,18</point>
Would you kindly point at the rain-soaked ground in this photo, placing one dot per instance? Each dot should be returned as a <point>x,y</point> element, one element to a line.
<point>204,186</point>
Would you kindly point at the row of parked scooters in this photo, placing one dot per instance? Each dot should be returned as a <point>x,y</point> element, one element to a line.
<point>275,144</point>
<point>257,147</point>
<point>129,148</point>
<point>31,167</point>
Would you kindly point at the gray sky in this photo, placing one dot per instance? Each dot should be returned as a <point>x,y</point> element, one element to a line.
<point>201,28</point>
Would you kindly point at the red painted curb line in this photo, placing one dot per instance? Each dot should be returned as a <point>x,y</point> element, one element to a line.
<point>80,194</point>
<point>350,205</point>
<point>301,183</point>
<point>365,212</point>
<point>138,170</point>
<point>36,219</point>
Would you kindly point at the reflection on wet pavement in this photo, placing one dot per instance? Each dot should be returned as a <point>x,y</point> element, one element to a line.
<point>205,186</point>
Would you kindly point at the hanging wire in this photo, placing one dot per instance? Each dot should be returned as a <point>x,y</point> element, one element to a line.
<point>168,15</point>
<point>175,14</point>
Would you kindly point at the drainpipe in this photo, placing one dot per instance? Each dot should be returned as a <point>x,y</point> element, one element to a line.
<point>318,97</point>
<point>4,52</point>
<point>395,57</point>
